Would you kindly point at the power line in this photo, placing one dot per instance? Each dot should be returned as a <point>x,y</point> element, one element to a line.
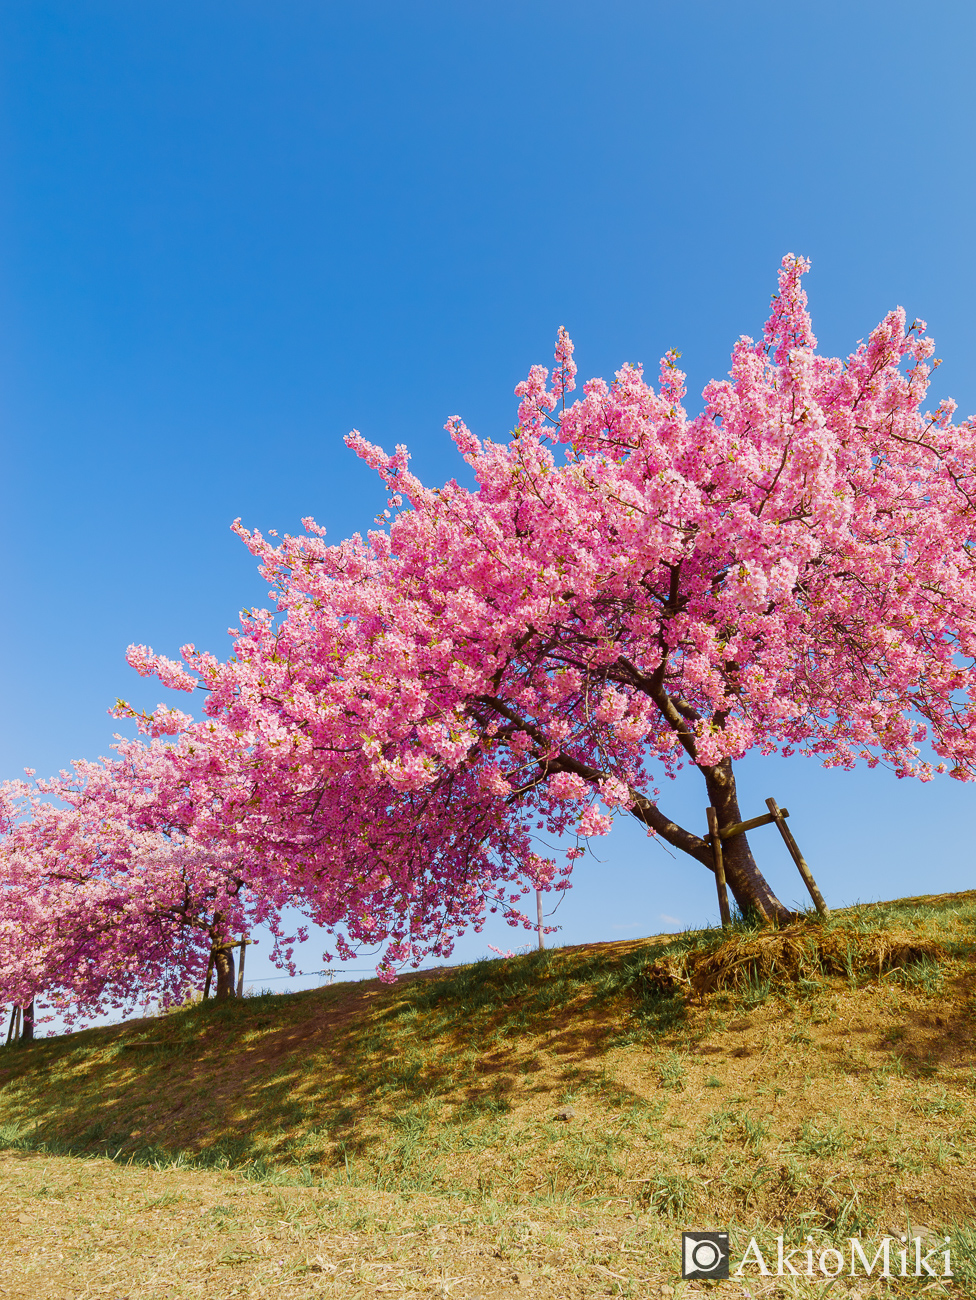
<point>348,970</point>
<point>358,970</point>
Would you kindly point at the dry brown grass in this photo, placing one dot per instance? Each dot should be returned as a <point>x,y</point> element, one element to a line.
<point>87,1228</point>
<point>808,1080</point>
<point>796,952</point>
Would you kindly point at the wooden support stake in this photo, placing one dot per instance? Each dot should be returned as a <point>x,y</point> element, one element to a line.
<point>797,856</point>
<point>10,1030</point>
<point>538,912</point>
<point>715,838</point>
<point>20,1014</point>
<point>240,971</point>
<point>210,966</point>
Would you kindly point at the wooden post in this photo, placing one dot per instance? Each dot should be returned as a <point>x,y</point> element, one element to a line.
<point>716,842</point>
<point>538,911</point>
<point>797,856</point>
<point>210,966</point>
<point>240,970</point>
<point>10,1030</point>
<point>20,1013</point>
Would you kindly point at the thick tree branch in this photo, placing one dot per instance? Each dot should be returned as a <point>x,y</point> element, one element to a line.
<point>643,808</point>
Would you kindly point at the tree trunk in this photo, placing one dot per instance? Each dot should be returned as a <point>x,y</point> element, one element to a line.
<point>224,966</point>
<point>27,1035</point>
<point>748,884</point>
<point>749,887</point>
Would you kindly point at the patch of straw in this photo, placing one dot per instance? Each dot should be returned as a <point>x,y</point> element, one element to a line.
<point>793,953</point>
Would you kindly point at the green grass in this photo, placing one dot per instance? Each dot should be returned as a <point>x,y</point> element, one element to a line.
<point>714,1103</point>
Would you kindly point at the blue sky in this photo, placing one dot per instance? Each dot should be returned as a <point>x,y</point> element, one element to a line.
<point>230,232</point>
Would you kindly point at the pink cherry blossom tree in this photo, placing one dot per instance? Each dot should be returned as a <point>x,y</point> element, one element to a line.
<point>105,902</point>
<point>627,590</point>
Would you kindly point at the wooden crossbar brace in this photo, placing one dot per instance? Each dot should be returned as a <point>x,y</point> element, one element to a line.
<point>741,827</point>
<point>778,815</point>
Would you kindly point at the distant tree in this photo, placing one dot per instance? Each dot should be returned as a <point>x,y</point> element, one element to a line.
<point>105,903</point>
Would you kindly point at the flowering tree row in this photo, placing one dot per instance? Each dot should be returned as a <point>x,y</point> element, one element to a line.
<point>627,589</point>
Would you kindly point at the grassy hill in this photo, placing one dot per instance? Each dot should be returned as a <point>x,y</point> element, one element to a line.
<point>818,1080</point>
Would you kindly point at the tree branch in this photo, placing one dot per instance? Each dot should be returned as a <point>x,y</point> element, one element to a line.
<point>643,808</point>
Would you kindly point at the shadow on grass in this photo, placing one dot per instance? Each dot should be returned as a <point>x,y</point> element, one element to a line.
<point>322,1077</point>
<point>364,1079</point>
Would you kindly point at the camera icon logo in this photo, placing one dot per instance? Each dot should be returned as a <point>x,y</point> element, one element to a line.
<point>705,1254</point>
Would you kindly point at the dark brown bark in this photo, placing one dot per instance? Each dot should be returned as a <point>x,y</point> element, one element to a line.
<point>747,882</point>
<point>749,887</point>
<point>27,1034</point>
<point>224,966</point>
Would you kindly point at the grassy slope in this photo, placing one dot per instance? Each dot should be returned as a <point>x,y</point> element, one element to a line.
<point>795,1100</point>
